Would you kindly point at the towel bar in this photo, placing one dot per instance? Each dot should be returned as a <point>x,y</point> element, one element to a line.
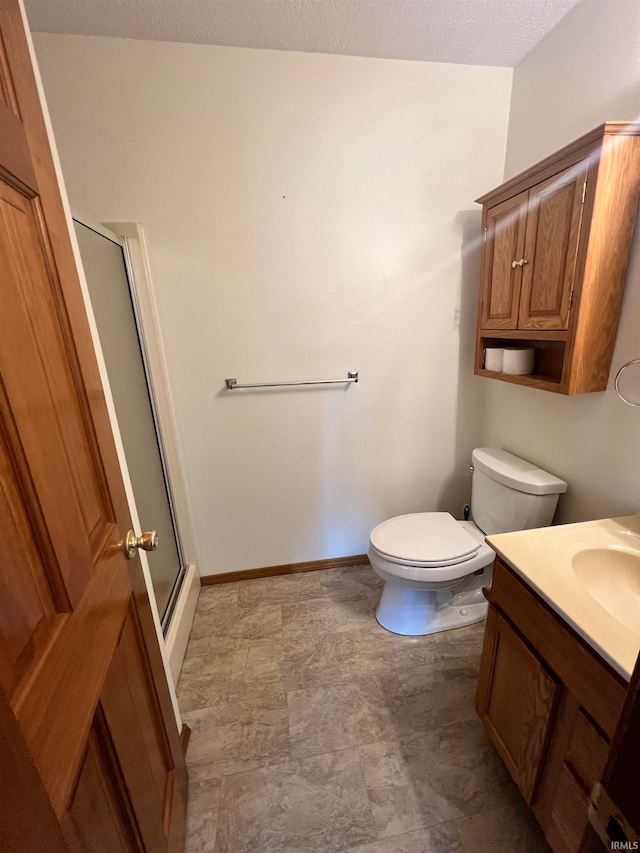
<point>231,384</point>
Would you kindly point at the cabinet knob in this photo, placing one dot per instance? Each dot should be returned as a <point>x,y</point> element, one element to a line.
<point>520,263</point>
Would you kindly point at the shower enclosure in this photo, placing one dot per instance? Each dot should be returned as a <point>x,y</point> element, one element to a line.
<point>107,271</point>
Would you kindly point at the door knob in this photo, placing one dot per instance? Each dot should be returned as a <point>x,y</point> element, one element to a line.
<point>131,543</point>
<point>520,263</point>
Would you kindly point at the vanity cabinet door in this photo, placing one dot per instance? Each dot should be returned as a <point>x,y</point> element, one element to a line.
<point>504,230</point>
<point>515,700</point>
<point>574,763</point>
<point>550,250</point>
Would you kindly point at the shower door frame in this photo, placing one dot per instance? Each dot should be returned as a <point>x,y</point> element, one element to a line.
<point>129,237</point>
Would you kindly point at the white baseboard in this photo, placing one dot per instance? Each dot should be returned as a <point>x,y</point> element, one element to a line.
<point>181,621</point>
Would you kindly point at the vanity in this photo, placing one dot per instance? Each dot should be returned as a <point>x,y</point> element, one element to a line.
<point>562,637</point>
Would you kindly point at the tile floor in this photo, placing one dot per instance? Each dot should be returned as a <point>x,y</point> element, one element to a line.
<point>314,730</point>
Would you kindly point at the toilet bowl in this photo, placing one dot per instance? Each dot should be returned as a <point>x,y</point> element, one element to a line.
<point>434,567</point>
<point>421,596</point>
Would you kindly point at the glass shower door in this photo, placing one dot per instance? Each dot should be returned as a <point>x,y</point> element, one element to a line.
<point>105,268</point>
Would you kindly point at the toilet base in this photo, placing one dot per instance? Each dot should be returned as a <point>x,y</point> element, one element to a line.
<point>417,612</point>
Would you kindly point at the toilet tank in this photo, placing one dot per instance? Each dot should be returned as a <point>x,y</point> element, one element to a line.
<point>508,493</point>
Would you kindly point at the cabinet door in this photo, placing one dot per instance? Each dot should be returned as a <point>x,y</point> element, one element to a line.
<point>515,701</point>
<point>582,767</point>
<point>504,244</point>
<point>551,248</point>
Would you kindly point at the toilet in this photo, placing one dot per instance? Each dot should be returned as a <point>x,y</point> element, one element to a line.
<point>435,567</point>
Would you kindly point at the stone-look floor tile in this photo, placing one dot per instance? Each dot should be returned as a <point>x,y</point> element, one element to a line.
<point>257,670</point>
<point>297,621</point>
<point>216,594</point>
<point>442,838</point>
<point>204,681</point>
<point>314,805</point>
<point>324,616</point>
<point>282,589</point>
<point>446,645</point>
<point>208,644</point>
<point>216,621</point>
<point>216,770</point>
<point>282,672</point>
<point>337,616</point>
<point>199,772</point>
<point>237,736</point>
<point>351,582</point>
<point>228,622</point>
<point>202,816</point>
<point>371,650</point>
<point>512,827</point>
<point>440,693</point>
<point>460,642</point>
<point>426,779</point>
<point>261,621</point>
<point>309,661</point>
<point>346,714</point>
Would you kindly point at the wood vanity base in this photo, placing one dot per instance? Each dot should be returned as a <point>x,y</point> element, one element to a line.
<point>550,705</point>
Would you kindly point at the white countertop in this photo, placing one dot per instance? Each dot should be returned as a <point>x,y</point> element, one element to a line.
<point>563,563</point>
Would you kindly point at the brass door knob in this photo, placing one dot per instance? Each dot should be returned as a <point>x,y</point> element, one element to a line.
<point>520,263</point>
<point>131,543</point>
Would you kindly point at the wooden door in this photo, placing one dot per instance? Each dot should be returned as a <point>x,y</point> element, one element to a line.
<point>551,248</point>
<point>90,755</point>
<point>515,701</point>
<point>504,231</point>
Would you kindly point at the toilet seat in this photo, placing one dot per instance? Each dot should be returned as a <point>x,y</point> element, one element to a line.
<point>424,539</point>
<point>428,571</point>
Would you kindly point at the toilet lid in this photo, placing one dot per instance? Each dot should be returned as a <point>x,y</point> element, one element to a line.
<point>424,537</point>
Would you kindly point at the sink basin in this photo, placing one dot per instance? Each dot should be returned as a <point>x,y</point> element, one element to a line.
<point>611,576</point>
<point>589,573</point>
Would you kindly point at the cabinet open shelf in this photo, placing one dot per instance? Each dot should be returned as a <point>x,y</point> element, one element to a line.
<point>531,380</point>
<point>524,334</point>
<point>548,359</point>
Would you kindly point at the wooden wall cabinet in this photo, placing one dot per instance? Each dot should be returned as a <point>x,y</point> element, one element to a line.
<point>550,705</point>
<point>556,245</point>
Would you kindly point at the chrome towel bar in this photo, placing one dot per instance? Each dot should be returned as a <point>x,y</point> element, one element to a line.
<point>231,384</point>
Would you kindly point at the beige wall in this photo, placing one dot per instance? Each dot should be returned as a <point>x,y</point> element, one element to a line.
<point>305,216</point>
<point>585,72</point>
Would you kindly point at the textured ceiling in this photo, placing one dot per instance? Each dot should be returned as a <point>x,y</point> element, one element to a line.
<point>475,32</point>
